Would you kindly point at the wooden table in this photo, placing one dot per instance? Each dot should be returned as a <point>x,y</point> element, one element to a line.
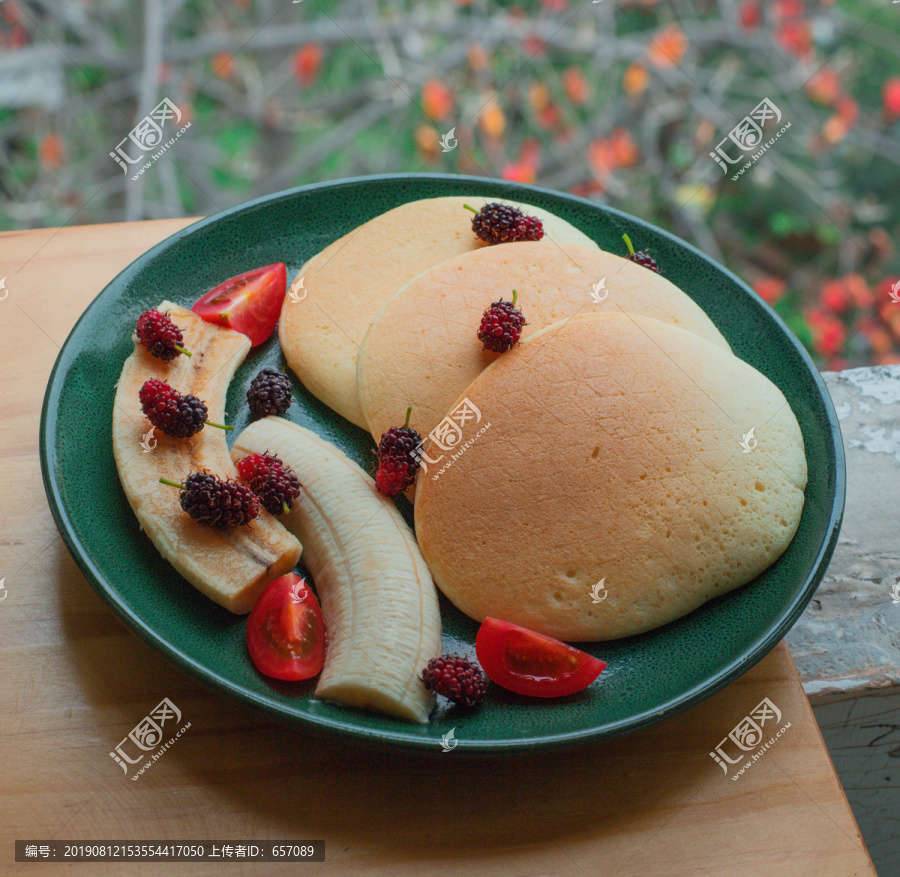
<point>653,804</point>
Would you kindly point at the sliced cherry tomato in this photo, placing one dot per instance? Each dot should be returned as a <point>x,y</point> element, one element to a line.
<point>527,662</point>
<point>249,303</point>
<point>286,630</point>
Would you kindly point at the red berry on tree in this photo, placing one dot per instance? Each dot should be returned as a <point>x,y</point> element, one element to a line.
<point>890,97</point>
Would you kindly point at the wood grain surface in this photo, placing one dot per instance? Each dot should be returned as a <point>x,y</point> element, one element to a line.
<point>76,681</point>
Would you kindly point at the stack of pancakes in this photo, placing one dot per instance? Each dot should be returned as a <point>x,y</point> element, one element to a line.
<point>610,448</point>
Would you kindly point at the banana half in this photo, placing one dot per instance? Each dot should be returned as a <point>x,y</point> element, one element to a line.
<point>231,566</point>
<point>378,598</point>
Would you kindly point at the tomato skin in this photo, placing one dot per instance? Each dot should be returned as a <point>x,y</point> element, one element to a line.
<point>531,663</point>
<point>249,303</point>
<point>286,637</point>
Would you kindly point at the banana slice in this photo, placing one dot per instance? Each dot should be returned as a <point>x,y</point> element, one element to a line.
<point>380,604</point>
<point>231,566</point>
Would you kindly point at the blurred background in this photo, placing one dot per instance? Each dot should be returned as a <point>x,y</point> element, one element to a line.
<point>619,102</point>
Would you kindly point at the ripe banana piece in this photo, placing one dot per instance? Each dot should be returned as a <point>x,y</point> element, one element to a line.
<point>378,598</point>
<point>230,566</point>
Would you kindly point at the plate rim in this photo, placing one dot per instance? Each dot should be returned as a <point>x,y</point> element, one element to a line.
<point>399,740</point>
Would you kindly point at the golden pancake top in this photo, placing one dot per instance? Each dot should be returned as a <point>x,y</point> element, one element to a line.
<point>348,282</point>
<point>607,450</point>
<point>422,349</point>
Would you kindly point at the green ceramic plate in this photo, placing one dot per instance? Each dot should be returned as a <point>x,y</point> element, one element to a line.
<point>648,677</point>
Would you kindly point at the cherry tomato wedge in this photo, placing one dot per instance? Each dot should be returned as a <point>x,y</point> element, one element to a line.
<point>286,631</point>
<point>249,303</point>
<point>531,663</point>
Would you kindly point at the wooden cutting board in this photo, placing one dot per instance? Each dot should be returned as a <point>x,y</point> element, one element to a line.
<point>76,681</point>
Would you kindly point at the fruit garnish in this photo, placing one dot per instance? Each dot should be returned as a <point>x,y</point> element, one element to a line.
<point>460,680</point>
<point>286,631</point>
<point>160,335</point>
<point>501,325</point>
<point>174,414</point>
<point>398,459</point>
<point>531,663</point>
<point>269,393</point>
<point>215,501</point>
<point>642,258</point>
<point>499,223</point>
<point>244,559</point>
<point>382,613</point>
<point>274,483</point>
<point>249,303</point>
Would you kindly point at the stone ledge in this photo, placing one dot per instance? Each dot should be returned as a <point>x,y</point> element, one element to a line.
<point>847,642</point>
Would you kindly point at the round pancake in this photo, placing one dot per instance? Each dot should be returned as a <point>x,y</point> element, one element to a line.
<point>348,282</point>
<point>603,457</point>
<point>422,349</point>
